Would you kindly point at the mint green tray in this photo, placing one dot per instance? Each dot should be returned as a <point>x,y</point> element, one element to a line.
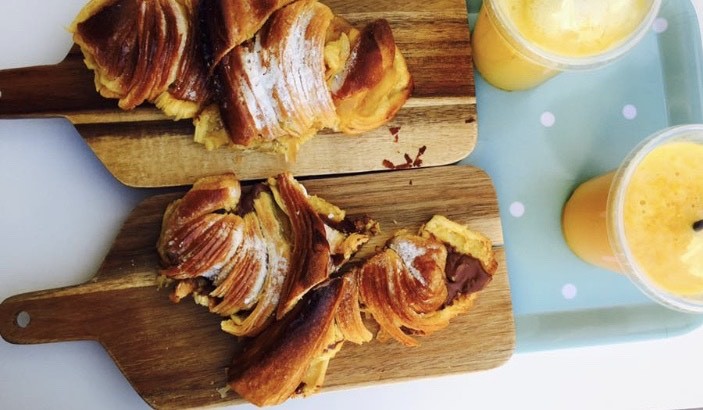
<point>538,145</point>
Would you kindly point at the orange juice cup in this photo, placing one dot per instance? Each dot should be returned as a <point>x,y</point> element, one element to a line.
<point>646,219</point>
<point>518,44</point>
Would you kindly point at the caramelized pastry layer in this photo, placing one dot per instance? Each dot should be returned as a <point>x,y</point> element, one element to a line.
<point>265,75</point>
<point>273,260</point>
<point>134,46</point>
<point>418,283</point>
<point>248,256</point>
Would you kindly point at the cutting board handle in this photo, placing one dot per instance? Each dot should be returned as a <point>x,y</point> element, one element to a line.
<point>57,90</point>
<point>49,316</point>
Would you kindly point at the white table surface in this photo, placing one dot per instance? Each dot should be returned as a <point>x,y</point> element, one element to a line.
<point>60,210</point>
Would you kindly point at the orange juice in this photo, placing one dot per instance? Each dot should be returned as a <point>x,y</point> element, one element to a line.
<point>584,223</point>
<point>646,219</point>
<point>662,202</point>
<point>518,44</point>
<point>499,62</point>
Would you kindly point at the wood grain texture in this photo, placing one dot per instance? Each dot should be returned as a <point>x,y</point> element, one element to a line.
<point>143,148</point>
<point>175,354</point>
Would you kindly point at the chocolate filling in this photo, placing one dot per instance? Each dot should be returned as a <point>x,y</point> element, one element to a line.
<point>246,202</point>
<point>464,275</point>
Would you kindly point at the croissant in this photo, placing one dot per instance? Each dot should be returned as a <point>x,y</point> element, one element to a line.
<point>252,256</point>
<point>252,74</point>
<point>144,51</point>
<point>291,355</point>
<point>414,286</point>
<point>420,282</point>
<point>274,259</point>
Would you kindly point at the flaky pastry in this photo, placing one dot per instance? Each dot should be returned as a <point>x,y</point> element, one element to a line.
<point>144,51</point>
<point>274,260</point>
<point>412,287</point>
<point>251,257</point>
<point>291,355</point>
<point>420,282</point>
<point>264,75</point>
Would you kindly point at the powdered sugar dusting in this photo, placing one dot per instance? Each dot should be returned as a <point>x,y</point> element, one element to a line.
<point>262,76</point>
<point>277,263</point>
<point>256,247</point>
<point>236,235</point>
<point>277,269</point>
<point>408,252</point>
<point>275,80</point>
<point>303,61</point>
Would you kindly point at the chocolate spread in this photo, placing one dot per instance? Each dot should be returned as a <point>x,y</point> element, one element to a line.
<point>464,275</point>
<point>246,202</point>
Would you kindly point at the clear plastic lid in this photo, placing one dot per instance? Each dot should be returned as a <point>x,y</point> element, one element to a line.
<point>573,34</point>
<point>690,300</point>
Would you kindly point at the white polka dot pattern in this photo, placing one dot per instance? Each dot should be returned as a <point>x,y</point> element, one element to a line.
<point>569,291</point>
<point>660,25</point>
<point>547,119</point>
<point>517,209</point>
<point>629,111</point>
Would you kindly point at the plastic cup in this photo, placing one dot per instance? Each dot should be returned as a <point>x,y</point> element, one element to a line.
<point>518,44</point>
<point>646,219</point>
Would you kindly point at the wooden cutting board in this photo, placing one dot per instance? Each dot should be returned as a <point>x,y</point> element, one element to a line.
<point>143,148</point>
<point>175,355</point>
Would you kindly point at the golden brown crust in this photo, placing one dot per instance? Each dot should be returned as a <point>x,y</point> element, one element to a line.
<point>403,286</point>
<point>245,256</point>
<point>371,58</point>
<point>202,245</point>
<point>363,84</point>
<point>191,216</point>
<point>310,256</point>
<point>123,40</point>
<point>404,289</point>
<point>348,319</point>
<point>272,365</point>
<point>241,278</point>
<point>273,86</point>
<point>410,288</point>
<point>265,262</point>
<point>253,74</point>
<point>278,262</point>
<point>374,84</point>
<point>190,91</point>
<point>229,23</point>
